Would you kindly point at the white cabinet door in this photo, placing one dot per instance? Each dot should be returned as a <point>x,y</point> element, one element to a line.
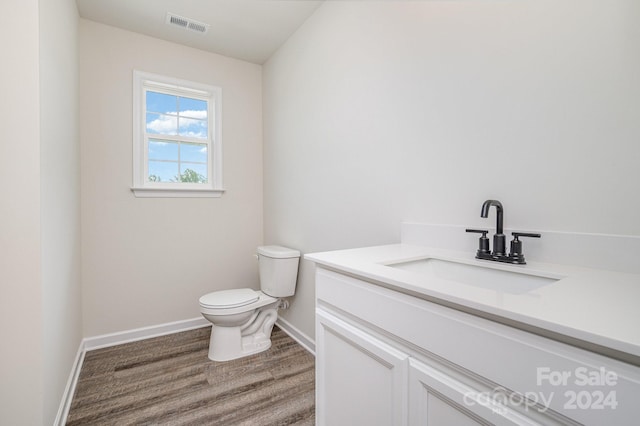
<point>438,399</point>
<point>360,380</point>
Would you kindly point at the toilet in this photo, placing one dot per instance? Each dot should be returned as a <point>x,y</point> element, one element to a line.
<point>243,318</point>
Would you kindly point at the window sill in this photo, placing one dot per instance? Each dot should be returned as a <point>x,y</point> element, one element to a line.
<point>176,193</point>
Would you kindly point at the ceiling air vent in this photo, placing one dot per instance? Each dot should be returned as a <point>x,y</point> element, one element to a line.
<point>187,23</point>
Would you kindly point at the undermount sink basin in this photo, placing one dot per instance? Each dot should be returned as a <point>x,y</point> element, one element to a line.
<point>478,276</point>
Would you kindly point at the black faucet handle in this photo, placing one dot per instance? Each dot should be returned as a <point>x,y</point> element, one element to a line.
<point>516,246</point>
<point>478,231</point>
<point>483,241</point>
<point>516,235</point>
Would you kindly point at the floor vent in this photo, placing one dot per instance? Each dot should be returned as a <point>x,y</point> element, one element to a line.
<point>187,23</point>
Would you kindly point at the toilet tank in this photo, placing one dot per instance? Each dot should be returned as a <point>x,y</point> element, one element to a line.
<point>278,270</point>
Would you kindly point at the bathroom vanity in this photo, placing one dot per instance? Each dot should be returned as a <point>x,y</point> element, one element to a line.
<point>415,335</point>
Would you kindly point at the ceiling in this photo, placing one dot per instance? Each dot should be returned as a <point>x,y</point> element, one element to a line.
<point>250,30</point>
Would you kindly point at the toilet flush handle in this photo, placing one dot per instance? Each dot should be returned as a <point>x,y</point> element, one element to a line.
<point>283,304</point>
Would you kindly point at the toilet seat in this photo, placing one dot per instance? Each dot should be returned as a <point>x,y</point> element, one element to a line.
<point>226,299</point>
<point>252,300</point>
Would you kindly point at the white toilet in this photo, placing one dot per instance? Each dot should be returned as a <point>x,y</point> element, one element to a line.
<point>243,318</point>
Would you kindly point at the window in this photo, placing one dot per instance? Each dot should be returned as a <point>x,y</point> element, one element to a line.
<point>177,150</point>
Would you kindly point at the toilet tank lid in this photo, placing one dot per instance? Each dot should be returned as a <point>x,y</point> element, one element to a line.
<point>278,252</point>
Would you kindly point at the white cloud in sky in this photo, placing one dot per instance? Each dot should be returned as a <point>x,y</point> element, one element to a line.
<point>195,126</point>
<point>201,114</point>
<point>163,125</point>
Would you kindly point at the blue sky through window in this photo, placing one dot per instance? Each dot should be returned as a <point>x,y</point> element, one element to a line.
<point>193,152</point>
<point>173,115</point>
<point>163,150</point>
<point>165,171</point>
<point>164,160</point>
<point>160,102</point>
<point>192,107</point>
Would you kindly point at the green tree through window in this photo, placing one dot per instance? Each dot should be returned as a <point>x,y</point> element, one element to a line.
<point>188,176</point>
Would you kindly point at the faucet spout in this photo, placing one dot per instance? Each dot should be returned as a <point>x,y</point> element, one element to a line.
<point>499,213</point>
<point>499,240</point>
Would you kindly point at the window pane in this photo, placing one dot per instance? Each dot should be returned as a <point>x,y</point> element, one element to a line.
<point>193,128</point>
<point>159,102</point>
<point>190,172</point>
<point>193,152</point>
<point>162,171</point>
<point>163,150</point>
<point>193,108</point>
<point>161,124</point>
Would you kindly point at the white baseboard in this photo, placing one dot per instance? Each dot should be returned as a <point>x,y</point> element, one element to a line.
<point>70,388</point>
<point>112,339</point>
<point>297,335</point>
<point>142,333</point>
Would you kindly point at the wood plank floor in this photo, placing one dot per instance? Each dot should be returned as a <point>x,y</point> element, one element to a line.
<point>169,380</point>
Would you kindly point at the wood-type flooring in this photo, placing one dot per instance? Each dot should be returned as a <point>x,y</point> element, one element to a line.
<point>169,380</point>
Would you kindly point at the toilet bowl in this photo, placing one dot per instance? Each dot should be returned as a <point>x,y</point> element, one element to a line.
<point>242,319</point>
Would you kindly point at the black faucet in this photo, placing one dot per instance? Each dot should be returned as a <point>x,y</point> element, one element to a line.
<point>499,245</point>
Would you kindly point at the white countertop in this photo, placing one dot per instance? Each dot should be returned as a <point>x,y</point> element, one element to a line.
<point>594,306</point>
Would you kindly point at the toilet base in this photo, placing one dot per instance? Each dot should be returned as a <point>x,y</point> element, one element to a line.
<point>228,343</point>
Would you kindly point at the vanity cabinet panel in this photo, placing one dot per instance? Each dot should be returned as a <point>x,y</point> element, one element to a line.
<point>451,355</point>
<point>439,399</point>
<point>429,406</point>
<point>361,380</point>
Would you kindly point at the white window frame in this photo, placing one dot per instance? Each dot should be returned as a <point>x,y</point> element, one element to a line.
<point>142,187</point>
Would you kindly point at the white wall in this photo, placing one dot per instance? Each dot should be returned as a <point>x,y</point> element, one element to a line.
<point>147,261</point>
<point>382,112</point>
<point>20,292</point>
<point>60,197</point>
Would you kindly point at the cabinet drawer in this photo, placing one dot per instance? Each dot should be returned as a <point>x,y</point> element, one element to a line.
<point>569,380</point>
